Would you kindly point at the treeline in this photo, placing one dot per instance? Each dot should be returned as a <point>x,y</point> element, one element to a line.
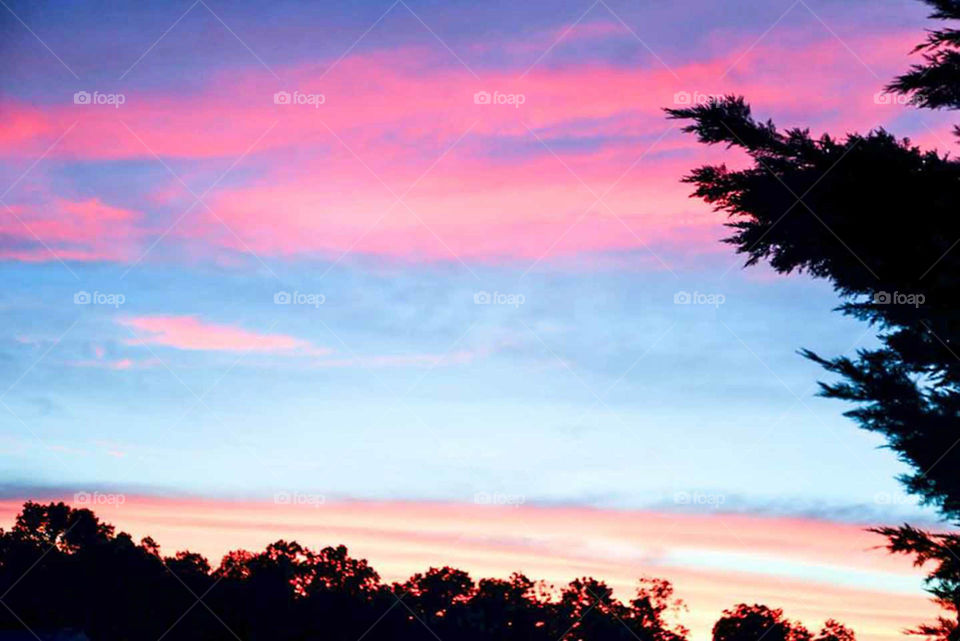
<point>63,569</point>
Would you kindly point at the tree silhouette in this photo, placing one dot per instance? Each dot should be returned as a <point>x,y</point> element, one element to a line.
<point>835,631</point>
<point>936,83</point>
<point>755,622</point>
<point>104,584</point>
<point>878,218</point>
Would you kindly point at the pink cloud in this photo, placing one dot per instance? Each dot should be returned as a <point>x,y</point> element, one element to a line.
<point>413,99</point>
<point>190,333</point>
<point>70,230</point>
<point>523,211</point>
<point>324,179</point>
<point>193,334</point>
<point>101,360</point>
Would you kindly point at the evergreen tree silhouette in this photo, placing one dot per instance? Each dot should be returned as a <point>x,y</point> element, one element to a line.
<point>878,218</point>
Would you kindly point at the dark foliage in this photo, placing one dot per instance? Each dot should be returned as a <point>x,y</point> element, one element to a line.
<point>880,219</point>
<point>936,551</point>
<point>935,84</point>
<point>61,568</point>
<point>755,622</point>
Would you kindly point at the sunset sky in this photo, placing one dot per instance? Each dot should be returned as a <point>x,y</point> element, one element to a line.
<point>434,254</point>
<point>813,569</point>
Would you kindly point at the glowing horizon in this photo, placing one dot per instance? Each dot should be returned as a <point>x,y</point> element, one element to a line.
<point>814,570</point>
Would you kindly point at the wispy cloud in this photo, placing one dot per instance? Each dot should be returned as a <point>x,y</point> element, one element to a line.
<point>191,333</point>
<point>518,181</point>
<point>194,334</point>
<point>813,569</point>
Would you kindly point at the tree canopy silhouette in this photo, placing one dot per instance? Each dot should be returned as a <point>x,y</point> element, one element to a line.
<point>62,569</point>
<point>756,622</point>
<point>880,219</point>
<point>935,84</point>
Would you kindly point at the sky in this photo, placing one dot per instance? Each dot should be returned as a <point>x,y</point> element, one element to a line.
<point>813,569</point>
<point>424,252</point>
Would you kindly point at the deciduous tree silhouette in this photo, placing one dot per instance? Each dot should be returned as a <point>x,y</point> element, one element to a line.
<point>877,217</point>
<point>114,590</point>
<point>756,622</point>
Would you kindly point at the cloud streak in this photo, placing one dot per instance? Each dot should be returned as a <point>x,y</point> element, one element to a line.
<point>478,181</point>
<point>813,569</point>
<point>193,334</point>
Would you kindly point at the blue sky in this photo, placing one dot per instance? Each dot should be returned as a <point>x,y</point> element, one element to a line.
<point>596,388</point>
